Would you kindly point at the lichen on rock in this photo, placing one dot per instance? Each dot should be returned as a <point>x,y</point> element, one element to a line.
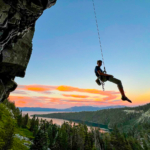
<point>17,26</point>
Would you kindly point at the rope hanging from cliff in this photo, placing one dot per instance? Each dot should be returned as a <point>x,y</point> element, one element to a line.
<point>99,36</point>
<point>99,44</point>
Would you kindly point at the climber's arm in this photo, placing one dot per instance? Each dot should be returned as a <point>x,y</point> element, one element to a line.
<point>103,74</point>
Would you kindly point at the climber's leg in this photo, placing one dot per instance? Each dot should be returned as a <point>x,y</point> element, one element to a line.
<point>119,84</point>
<point>120,87</point>
<point>98,81</point>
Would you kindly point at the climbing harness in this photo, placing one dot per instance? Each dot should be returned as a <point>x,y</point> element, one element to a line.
<point>103,84</point>
<point>100,44</point>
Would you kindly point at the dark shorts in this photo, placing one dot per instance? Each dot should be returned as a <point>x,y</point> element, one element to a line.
<point>103,78</point>
<point>111,79</point>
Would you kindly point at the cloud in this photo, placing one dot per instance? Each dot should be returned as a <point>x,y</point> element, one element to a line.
<point>26,101</point>
<point>19,92</point>
<point>110,97</point>
<point>90,96</point>
<point>36,88</point>
<point>76,96</point>
<point>92,91</point>
<point>47,92</point>
<point>78,100</point>
<point>116,101</point>
<point>63,88</point>
<point>53,102</point>
<point>22,102</point>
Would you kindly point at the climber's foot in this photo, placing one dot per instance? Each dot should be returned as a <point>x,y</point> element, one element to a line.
<point>124,98</point>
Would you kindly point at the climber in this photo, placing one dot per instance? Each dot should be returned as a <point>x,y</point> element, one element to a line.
<point>106,77</point>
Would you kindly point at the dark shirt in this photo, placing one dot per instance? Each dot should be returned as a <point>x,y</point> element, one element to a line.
<point>96,69</point>
<point>96,73</point>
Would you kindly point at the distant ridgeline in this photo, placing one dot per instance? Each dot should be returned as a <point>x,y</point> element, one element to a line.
<point>122,117</point>
<point>76,108</point>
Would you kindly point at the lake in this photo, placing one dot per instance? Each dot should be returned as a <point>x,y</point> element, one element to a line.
<point>104,128</point>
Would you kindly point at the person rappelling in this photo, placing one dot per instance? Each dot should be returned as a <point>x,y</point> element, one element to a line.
<point>103,77</point>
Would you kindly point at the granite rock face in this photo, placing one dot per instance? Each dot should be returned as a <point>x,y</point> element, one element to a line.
<point>17,26</point>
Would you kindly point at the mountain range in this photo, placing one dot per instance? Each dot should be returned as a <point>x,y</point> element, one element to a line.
<point>76,108</point>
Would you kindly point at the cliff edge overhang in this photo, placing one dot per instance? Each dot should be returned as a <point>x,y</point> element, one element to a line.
<point>17,26</point>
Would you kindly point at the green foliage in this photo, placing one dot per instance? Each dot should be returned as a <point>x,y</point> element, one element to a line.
<point>32,123</point>
<point>127,116</point>
<point>10,124</point>
<point>19,120</point>
<point>24,132</point>
<point>40,141</point>
<point>11,106</point>
<point>7,126</point>
<point>134,121</point>
<point>18,145</point>
<point>25,121</point>
<point>70,136</point>
<point>77,137</point>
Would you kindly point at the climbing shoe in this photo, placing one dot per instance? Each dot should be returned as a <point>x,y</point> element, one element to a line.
<point>97,81</point>
<point>124,98</point>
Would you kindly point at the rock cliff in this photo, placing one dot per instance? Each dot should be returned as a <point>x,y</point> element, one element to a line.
<point>17,26</point>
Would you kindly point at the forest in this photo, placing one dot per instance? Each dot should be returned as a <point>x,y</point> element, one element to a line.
<point>45,135</point>
<point>124,118</point>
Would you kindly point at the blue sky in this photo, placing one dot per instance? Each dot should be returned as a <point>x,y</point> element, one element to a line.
<point>66,47</point>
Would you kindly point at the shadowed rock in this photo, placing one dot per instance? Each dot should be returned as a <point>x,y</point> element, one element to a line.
<point>17,26</point>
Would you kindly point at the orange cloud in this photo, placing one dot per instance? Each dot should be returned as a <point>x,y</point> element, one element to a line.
<point>26,101</point>
<point>110,94</point>
<point>14,98</point>
<point>110,97</point>
<point>36,88</point>
<point>63,88</point>
<point>74,89</point>
<point>92,91</point>
<point>46,101</point>
<point>23,102</point>
<point>52,102</point>
<point>76,96</point>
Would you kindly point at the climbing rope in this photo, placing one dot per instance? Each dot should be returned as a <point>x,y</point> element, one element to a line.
<point>99,43</point>
<point>99,35</point>
<point>103,84</point>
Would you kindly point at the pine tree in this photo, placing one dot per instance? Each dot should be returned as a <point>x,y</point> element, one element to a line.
<point>8,136</point>
<point>26,120</point>
<point>41,141</point>
<point>32,123</point>
<point>19,120</point>
<point>145,146</point>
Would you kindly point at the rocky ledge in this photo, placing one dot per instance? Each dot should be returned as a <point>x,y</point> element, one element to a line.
<point>17,26</point>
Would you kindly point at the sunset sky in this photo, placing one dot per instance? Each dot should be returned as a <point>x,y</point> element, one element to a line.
<point>60,73</point>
